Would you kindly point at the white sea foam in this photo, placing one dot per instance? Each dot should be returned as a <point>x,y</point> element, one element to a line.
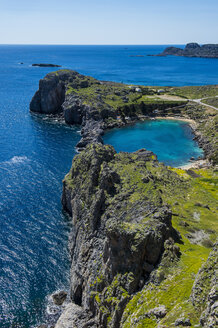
<point>17,160</point>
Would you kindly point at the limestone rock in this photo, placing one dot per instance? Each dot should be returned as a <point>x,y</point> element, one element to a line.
<point>185,322</point>
<point>75,317</point>
<point>204,294</point>
<point>59,297</point>
<point>115,243</point>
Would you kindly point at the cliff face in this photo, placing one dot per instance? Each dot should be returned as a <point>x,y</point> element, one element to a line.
<point>120,227</point>
<point>205,291</point>
<point>193,50</point>
<point>130,267</point>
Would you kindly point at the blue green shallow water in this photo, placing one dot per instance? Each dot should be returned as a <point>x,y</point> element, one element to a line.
<point>36,153</point>
<point>171,140</point>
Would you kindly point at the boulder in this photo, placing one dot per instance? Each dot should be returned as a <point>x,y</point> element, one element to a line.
<point>59,297</point>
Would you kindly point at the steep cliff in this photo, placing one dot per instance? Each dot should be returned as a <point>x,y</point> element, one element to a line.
<point>129,265</point>
<point>120,227</point>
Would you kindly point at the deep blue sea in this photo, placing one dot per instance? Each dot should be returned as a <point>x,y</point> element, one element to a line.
<point>36,153</point>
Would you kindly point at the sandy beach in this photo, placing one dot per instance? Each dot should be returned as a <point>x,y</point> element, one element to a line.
<point>195,165</point>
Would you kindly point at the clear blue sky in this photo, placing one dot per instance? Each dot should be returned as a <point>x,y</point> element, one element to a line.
<point>108,21</point>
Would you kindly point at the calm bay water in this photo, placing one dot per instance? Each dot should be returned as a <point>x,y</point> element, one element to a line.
<point>36,153</point>
<point>171,140</point>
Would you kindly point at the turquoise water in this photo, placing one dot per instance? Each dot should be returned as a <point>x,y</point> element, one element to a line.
<point>171,140</point>
<point>36,153</point>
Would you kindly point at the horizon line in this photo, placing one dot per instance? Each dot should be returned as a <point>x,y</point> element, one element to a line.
<point>92,44</point>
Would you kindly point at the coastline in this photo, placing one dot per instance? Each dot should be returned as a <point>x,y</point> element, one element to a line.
<point>92,104</point>
<point>86,197</point>
<point>188,120</point>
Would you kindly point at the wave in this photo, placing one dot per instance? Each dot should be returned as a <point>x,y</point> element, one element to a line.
<point>17,160</point>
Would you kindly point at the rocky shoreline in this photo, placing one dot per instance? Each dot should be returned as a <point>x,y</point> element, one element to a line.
<point>132,216</point>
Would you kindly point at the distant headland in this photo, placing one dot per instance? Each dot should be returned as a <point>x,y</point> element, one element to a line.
<point>192,50</point>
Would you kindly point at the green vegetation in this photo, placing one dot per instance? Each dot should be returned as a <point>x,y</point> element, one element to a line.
<point>187,198</point>
<point>213,101</point>
<point>116,96</point>
<point>195,92</point>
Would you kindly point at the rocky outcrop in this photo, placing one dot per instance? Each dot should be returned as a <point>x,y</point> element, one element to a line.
<point>50,96</point>
<point>75,316</point>
<point>193,50</point>
<point>46,65</point>
<point>204,292</point>
<point>119,233</point>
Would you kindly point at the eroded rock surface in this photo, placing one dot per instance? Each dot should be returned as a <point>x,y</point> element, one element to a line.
<point>119,233</point>
<point>205,291</point>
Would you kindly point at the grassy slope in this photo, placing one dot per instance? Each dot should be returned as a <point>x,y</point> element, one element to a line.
<point>188,204</point>
<point>195,92</point>
<point>115,95</point>
<point>213,101</point>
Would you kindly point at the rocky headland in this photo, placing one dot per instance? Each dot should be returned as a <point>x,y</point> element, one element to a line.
<point>142,232</point>
<point>193,50</point>
<point>100,105</point>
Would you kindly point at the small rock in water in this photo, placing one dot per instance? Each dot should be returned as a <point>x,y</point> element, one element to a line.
<point>59,297</point>
<point>46,65</point>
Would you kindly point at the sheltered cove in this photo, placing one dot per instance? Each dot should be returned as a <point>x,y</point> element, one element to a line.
<point>135,249</point>
<point>99,105</point>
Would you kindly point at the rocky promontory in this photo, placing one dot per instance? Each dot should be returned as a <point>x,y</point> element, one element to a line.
<point>130,266</point>
<point>121,229</point>
<point>100,105</point>
<point>193,50</point>
<point>141,232</point>
<point>95,105</point>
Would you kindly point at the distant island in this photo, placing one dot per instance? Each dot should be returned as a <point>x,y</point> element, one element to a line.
<point>46,65</point>
<point>192,50</point>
